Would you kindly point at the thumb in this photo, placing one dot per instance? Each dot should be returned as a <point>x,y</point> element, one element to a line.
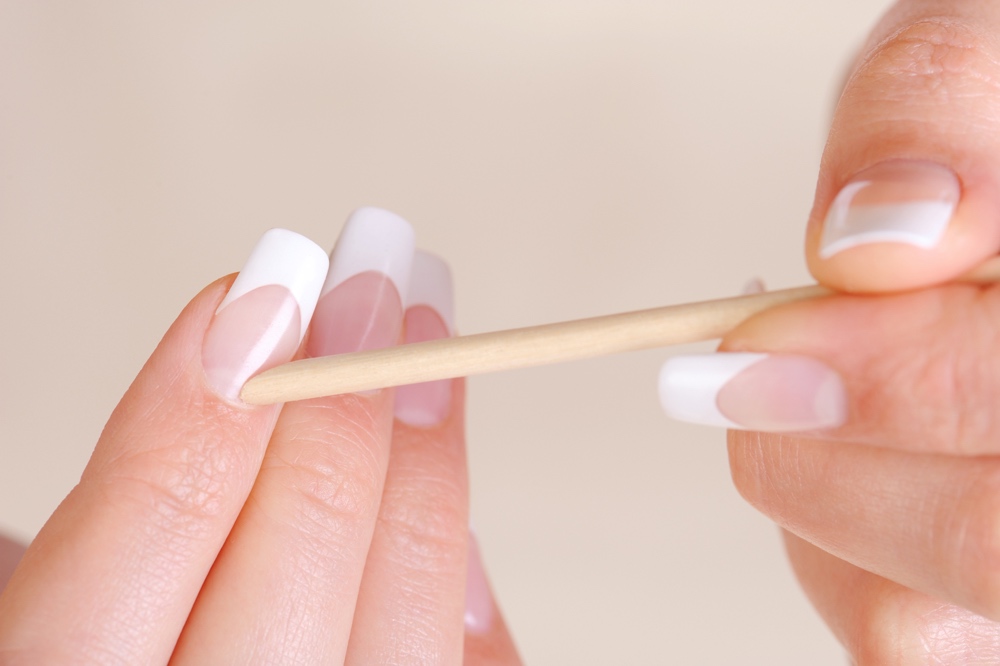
<point>908,190</point>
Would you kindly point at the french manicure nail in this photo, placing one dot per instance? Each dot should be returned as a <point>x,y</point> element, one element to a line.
<point>900,201</point>
<point>360,307</point>
<point>775,393</point>
<point>261,321</point>
<point>429,316</point>
<point>479,608</point>
<point>754,286</point>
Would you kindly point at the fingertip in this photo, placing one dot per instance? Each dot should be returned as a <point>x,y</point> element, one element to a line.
<point>901,225</point>
<point>908,193</point>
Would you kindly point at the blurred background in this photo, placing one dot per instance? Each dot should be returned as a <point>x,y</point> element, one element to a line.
<point>568,157</point>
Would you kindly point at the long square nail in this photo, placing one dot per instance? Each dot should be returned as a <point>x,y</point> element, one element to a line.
<point>262,319</point>
<point>429,316</point>
<point>361,305</point>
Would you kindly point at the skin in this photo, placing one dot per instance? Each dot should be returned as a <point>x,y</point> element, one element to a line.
<point>208,532</point>
<point>890,521</point>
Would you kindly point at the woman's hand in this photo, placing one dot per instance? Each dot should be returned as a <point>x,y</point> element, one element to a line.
<point>889,490</point>
<point>207,531</point>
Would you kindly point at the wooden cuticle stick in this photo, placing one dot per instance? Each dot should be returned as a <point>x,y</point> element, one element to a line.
<point>528,347</point>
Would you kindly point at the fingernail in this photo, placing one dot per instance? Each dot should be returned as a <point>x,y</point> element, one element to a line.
<point>479,608</point>
<point>261,321</point>
<point>894,202</point>
<point>360,307</point>
<point>429,316</point>
<point>775,393</point>
<point>754,286</point>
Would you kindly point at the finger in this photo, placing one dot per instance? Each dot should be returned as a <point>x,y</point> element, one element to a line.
<point>917,371</point>
<point>487,640</point>
<point>908,189</point>
<point>411,603</point>
<point>11,553</point>
<point>284,588</point>
<point>882,623</point>
<point>926,522</point>
<point>115,570</point>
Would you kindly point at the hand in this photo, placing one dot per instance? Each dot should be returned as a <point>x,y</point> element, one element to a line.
<point>889,488</point>
<point>207,531</point>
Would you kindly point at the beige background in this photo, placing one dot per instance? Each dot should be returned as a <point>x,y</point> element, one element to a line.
<point>569,157</point>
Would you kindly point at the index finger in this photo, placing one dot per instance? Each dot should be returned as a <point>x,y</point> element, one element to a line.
<point>115,571</point>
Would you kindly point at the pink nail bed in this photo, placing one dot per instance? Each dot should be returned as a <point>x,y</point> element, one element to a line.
<point>363,312</point>
<point>253,333</point>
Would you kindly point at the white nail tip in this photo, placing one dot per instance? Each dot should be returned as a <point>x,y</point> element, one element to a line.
<point>431,285</point>
<point>918,223</point>
<point>373,240</point>
<point>689,385</point>
<point>288,259</point>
